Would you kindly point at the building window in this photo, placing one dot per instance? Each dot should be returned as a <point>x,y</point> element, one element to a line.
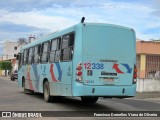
<point>152,66</point>
<point>138,65</point>
<point>15,48</point>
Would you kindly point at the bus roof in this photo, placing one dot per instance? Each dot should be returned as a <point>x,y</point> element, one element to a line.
<point>67,30</point>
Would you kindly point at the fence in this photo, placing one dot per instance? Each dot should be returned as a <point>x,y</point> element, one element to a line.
<point>152,67</point>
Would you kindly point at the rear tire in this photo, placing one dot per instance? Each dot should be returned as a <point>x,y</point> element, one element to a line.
<point>46,92</point>
<point>89,99</point>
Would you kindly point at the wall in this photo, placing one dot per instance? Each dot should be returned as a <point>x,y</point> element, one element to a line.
<point>148,85</point>
<point>148,47</point>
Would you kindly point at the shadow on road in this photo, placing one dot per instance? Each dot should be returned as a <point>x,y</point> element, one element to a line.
<point>74,103</point>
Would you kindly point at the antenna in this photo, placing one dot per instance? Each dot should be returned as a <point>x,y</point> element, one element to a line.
<point>82,20</point>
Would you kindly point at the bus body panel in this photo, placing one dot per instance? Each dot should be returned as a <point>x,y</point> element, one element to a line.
<point>110,91</point>
<point>108,55</point>
<point>107,60</point>
<point>77,89</point>
<point>59,74</point>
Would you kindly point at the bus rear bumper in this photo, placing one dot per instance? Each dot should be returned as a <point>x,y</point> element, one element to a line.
<point>107,91</point>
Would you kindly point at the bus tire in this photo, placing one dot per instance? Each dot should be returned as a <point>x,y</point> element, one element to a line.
<point>89,99</point>
<point>26,91</point>
<point>24,86</point>
<point>46,92</point>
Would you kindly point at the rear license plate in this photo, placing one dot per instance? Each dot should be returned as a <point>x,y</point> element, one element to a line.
<point>108,80</point>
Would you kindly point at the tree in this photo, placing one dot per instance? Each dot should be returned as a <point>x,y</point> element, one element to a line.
<point>22,41</point>
<point>5,65</point>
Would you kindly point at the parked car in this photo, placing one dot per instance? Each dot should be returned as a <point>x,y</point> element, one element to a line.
<point>14,75</point>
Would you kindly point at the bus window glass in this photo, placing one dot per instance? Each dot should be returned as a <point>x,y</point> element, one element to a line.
<point>66,54</point>
<point>54,45</point>
<point>25,56</point>
<point>67,47</point>
<point>44,56</point>
<point>52,56</point>
<point>71,43</point>
<point>36,55</point>
<point>55,50</point>
<point>21,60</point>
<point>57,56</point>
<point>65,41</point>
<point>59,43</point>
<point>30,56</point>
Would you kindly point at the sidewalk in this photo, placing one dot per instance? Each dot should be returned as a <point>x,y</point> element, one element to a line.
<point>5,77</point>
<point>144,95</point>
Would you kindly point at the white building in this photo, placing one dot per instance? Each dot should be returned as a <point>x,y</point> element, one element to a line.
<point>10,48</point>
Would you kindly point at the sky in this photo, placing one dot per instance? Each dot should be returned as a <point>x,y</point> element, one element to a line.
<point>22,18</point>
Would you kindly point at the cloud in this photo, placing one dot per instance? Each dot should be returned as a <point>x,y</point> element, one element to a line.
<point>55,15</point>
<point>37,19</point>
<point>29,5</point>
<point>25,5</point>
<point>14,28</point>
<point>12,31</point>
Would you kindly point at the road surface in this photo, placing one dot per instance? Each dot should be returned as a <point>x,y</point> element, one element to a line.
<point>13,99</point>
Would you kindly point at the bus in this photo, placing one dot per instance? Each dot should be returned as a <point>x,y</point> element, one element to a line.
<point>87,60</point>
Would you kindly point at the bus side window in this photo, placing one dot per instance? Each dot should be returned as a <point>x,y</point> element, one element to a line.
<point>30,56</point>
<point>44,54</point>
<point>58,50</point>
<point>53,49</point>
<point>20,62</point>
<point>25,57</point>
<point>35,55</point>
<point>67,47</point>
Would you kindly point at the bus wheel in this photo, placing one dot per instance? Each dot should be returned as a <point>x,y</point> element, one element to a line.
<point>89,99</point>
<point>26,91</point>
<point>24,86</point>
<point>46,92</point>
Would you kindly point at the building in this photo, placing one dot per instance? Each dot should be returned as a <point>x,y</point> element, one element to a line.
<point>10,48</point>
<point>148,66</point>
<point>148,59</point>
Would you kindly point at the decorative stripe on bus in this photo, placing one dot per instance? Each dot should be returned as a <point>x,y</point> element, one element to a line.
<point>29,78</point>
<point>118,70</point>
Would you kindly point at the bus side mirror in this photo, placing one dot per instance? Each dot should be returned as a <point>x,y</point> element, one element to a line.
<point>17,57</point>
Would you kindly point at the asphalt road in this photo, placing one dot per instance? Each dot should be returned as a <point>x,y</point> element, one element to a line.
<point>13,99</point>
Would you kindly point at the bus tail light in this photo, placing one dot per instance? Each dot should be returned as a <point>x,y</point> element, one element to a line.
<point>135,74</point>
<point>79,72</point>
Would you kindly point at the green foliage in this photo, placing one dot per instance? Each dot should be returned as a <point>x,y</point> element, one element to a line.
<point>5,65</point>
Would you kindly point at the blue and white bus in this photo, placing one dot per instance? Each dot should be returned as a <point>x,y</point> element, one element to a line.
<point>87,60</point>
